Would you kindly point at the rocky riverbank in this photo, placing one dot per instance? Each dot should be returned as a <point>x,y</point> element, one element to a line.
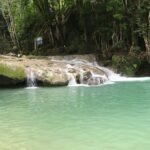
<point>51,70</point>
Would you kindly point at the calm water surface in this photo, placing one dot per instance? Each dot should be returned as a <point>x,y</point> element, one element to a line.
<point>110,117</point>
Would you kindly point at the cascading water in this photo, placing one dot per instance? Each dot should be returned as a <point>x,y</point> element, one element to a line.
<point>80,74</point>
<point>108,77</point>
<point>114,77</point>
<point>75,72</point>
<point>31,80</point>
<point>72,81</point>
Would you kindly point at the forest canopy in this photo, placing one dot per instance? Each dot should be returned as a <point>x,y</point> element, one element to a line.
<point>76,26</point>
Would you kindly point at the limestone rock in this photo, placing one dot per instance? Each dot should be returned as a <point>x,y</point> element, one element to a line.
<point>53,79</point>
<point>11,75</point>
<point>51,71</point>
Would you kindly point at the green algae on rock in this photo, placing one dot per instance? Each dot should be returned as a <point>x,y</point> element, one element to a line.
<point>11,75</point>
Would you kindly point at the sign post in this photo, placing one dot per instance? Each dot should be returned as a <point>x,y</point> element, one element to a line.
<point>37,42</point>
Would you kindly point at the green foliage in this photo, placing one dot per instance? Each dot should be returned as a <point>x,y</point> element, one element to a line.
<point>126,65</point>
<point>5,46</point>
<point>118,46</point>
<point>78,25</point>
<point>76,46</point>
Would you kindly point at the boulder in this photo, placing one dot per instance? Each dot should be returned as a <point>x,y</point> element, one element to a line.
<point>86,76</point>
<point>95,81</point>
<point>10,82</point>
<point>50,71</point>
<point>11,75</point>
<point>53,79</point>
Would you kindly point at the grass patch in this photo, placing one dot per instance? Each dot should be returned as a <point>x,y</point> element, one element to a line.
<point>15,72</point>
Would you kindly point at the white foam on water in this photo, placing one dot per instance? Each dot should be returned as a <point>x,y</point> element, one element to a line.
<point>118,78</point>
<point>129,79</point>
<point>31,88</point>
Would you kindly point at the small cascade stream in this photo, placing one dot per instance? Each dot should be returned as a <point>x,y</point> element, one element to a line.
<point>72,81</point>
<point>31,79</point>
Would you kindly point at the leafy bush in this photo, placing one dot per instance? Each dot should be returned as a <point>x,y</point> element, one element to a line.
<point>126,65</point>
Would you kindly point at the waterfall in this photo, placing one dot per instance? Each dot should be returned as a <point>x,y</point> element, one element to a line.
<point>81,76</point>
<point>90,78</point>
<point>72,81</point>
<point>114,77</point>
<point>75,71</point>
<point>31,79</point>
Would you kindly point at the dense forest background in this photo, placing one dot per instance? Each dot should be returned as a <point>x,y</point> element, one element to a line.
<point>113,29</point>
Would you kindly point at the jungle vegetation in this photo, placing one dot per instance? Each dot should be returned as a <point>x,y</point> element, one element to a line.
<point>105,27</point>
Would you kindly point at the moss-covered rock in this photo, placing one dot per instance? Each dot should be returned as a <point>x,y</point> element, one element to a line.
<point>11,75</point>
